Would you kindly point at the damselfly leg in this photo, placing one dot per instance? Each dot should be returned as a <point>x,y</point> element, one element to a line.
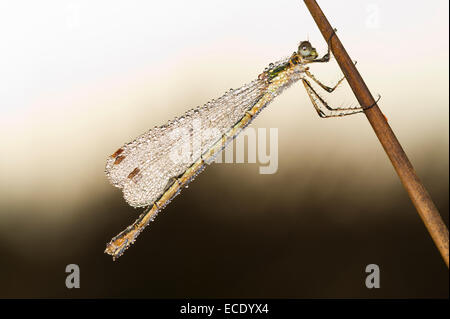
<point>308,54</point>
<point>318,102</point>
<point>326,57</point>
<point>323,86</point>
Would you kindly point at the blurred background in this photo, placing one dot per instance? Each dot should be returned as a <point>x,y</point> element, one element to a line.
<point>80,78</point>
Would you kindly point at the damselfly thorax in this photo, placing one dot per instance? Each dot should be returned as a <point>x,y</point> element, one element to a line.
<point>150,169</point>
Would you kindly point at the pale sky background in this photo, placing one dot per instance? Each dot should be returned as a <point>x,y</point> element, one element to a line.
<point>80,78</point>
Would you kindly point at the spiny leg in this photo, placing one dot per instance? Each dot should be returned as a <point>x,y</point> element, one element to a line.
<point>321,113</point>
<point>323,86</point>
<point>326,57</point>
<point>332,112</point>
<point>323,102</point>
<point>313,100</point>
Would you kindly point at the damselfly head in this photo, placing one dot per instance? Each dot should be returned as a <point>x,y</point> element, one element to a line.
<point>306,50</point>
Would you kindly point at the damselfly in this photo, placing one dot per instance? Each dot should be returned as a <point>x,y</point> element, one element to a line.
<point>146,170</point>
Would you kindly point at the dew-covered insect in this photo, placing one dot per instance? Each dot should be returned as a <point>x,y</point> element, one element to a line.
<point>150,170</point>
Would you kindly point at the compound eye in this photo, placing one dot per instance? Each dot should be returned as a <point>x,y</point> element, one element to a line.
<point>304,51</point>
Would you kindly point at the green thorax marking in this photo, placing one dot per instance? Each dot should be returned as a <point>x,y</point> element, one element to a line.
<point>294,60</point>
<point>274,72</point>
